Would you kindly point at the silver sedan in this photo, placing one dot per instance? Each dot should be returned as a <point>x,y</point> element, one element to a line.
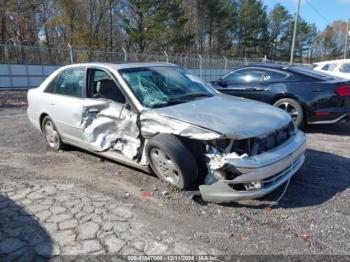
<point>162,118</point>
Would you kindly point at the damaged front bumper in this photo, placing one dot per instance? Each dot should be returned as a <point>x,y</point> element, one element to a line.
<point>270,169</point>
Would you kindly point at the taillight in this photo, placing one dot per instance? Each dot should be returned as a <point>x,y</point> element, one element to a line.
<point>343,90</point>
<point>322,113</point>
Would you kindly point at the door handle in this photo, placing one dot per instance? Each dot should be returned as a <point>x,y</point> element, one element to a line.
<point>256,89</point>
<point>52,103</point>
<point>234,89</point>
<point>93,110</point>
<point>251,89</point>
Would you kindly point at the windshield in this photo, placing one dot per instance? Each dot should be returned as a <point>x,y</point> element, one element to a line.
<point>159,86</point>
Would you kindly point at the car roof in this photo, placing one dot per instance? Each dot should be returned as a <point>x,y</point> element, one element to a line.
<point>120,66</point>
<point>270,66</point>
<point>292,69</point>
<point>286,67</point>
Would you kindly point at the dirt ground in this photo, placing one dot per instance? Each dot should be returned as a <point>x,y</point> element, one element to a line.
<point>312,218</point>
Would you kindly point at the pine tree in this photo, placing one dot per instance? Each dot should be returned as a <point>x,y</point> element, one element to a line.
<point>331,49</point>
<point>279,30</point>
<point>252,34</point>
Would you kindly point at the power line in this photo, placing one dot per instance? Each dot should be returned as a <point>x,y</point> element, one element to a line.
<point>318,12</point>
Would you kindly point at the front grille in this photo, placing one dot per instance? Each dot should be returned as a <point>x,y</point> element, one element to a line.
<point>258,145</point>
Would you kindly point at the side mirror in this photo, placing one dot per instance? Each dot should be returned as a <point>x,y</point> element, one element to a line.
<point>222,82</point>
<point>127,105</point>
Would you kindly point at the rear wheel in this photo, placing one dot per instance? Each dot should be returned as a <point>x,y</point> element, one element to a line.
<point>293,108</point>
<point>51,134</point>
<point>172,161</point>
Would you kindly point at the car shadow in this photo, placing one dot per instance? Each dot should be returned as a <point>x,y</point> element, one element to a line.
<point>322,178</point>
<point>22,238</point>
<point>341,129</point>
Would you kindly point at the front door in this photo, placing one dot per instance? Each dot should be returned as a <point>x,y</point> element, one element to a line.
<point>242,83</point>
<point>108,121</point>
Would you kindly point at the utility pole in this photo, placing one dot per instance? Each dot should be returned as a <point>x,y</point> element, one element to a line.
<point>294,33</point>
<point>346,39</point>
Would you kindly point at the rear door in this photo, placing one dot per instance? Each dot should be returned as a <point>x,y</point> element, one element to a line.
<point>65,102</point>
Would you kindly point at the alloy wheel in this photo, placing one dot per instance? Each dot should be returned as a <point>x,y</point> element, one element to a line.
<point>290,109</point>
<point>165,166</point>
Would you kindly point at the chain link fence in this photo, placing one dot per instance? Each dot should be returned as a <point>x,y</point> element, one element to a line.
<point>207,67</point>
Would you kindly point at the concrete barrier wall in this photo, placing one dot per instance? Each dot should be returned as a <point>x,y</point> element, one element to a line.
<point>24,76</point>
<point>28,76</point>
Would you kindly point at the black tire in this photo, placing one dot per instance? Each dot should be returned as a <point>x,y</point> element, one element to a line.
<point>56,142</point>
<point>185,171</point>
<point>293,108</point>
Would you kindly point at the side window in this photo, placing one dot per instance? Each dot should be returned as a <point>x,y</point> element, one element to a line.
<point>51,87</point>
<point>70,82</point>
<point>244,76</point>
<point>325,67</point>
<point>345,68</point>
<point>103,86</point>
<point>273,76</point>
<point>329,67</point>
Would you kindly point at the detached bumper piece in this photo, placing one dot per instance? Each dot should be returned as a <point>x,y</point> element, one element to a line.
<point>260,174</point>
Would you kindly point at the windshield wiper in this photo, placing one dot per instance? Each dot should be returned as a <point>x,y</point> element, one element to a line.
<point>168,103</point>
<point>193,95</point>
<point>181,99</point>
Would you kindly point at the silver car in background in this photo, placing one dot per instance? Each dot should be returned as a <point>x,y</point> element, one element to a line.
<point>339,68</point>
<point>161,118</point>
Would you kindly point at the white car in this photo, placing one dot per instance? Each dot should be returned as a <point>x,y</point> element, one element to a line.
<point>160,117</point>
<point>339,68</point>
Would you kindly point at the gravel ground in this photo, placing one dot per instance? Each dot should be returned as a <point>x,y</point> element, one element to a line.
<point>312,218</point>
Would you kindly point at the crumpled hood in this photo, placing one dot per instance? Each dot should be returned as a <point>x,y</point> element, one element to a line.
<point>234,117</point>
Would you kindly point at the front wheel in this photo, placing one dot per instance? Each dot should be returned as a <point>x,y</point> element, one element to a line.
<point>293,108</point>
<point>172,161</point>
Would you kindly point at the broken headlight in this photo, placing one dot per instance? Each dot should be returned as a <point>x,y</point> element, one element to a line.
<point>220,144</point>
<point>254,185</point>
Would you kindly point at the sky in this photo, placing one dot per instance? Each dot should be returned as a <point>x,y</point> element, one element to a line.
<point>320,12</point>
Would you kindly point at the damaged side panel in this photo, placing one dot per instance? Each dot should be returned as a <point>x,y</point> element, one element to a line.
<point>110,126</point>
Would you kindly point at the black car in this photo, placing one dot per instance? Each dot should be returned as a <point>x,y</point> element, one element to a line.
<point>310,97</point>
